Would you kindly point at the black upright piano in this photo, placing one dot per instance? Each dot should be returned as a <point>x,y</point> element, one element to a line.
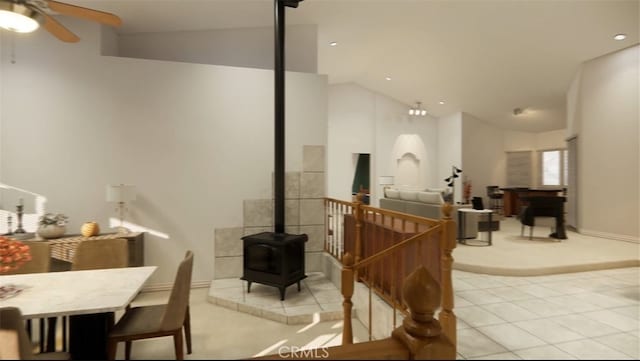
<point>544,207</point>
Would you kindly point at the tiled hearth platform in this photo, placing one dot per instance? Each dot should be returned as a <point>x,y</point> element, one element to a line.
<point>318,299</point>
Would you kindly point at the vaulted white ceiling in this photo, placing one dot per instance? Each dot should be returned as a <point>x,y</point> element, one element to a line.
<point>478,56</point>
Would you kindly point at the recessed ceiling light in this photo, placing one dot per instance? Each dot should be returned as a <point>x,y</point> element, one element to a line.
<point>333,43</point>
<point>620,36</point>
<point>387,77</point>
<point>441,102</point>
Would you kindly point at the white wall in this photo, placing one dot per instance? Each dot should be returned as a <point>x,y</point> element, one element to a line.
<point>244,47</point>
<point>351,130</point>
<point>553,139</point>
<point>449,151</point>
<point>483,156</point>
<point>515,141</point>
<point>363,121</point>
<point>194,139</point>
<point>573,106</point>
<point>606,120</point>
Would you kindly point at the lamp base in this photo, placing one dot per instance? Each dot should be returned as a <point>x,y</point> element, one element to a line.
<point>122,230</point>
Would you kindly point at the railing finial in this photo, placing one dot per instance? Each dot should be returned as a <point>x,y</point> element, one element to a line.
<point>420,331</point>
<point>422,295</point>
<point>446,210</point>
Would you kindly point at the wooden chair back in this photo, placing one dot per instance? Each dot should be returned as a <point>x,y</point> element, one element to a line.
<point>100,254</point>
<point>40,258</point>
<point>176,309</point>
<point>11,320</point>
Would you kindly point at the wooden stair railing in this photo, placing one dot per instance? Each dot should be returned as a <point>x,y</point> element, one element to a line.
<point>419,338</point>
<point>384,246</point>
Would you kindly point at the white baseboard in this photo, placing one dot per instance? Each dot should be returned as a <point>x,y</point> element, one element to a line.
<point>614,236</point>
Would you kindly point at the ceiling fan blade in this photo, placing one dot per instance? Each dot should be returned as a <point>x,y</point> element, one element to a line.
<point>85,13</point>
<point>58,30</point>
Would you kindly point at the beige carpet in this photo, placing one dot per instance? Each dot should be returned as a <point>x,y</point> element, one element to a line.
<point>515,255</point>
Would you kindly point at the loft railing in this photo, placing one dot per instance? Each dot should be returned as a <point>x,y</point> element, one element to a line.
<point>380,249</point>
<point>335,212</point>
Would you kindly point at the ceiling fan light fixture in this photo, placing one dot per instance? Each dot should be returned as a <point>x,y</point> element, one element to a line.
<point>19,18</point>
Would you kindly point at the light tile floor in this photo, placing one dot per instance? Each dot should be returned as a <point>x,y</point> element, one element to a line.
<point>586,315</point>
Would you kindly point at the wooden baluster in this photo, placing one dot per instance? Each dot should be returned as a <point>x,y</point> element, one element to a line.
<point>347,292</point>
<point>380,245</point>
<point>447,244</point>
<point>327,227</point>
<point>358,215</point>
<point>340,227</point>
<point>420,331</point>
<point>421,256</point>
<point>340,231</point>
<point>372,273</point>
<point>392,287</point>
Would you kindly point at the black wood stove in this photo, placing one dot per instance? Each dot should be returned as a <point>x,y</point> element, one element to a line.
<point>276,258</point>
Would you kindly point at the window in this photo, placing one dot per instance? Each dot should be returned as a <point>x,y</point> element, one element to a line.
<point>519,167</point>
<point>553,167</point>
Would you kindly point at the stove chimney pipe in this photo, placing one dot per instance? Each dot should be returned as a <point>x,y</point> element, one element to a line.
<point>279,138</point>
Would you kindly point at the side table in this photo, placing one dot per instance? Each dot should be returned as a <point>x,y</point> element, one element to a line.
<point>462,220</point>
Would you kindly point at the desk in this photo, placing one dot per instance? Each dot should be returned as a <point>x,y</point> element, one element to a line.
<point>511,200</point>
<point>462,215</point>
<point>90,297</point>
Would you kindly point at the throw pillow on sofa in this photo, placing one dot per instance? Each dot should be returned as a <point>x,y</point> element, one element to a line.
<point>409,195</point>
<point>392,193</point>
<point>430,197</point>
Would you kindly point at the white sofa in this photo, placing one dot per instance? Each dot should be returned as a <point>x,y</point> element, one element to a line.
<point>426,203</point>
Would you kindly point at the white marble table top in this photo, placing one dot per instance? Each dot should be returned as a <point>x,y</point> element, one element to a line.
<point>76,292</point>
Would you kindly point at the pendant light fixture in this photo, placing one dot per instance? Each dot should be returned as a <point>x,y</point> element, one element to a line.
<point>417,110</point>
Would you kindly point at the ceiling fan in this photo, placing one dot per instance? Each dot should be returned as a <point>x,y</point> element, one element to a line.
<point>25,16</point>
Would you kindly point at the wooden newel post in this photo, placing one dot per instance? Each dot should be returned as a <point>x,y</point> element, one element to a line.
<point>447,245</point>
<point>421,332</point>
<point>347,293</point>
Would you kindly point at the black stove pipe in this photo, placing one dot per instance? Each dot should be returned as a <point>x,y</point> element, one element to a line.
<point>279,138</point>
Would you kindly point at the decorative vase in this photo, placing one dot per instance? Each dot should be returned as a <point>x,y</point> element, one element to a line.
<point>49,231</point>
<point>89,229</point>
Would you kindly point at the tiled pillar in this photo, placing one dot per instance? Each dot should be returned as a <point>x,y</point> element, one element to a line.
<point>304,213</point>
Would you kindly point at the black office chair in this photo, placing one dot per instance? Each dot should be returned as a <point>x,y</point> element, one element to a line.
<point>495,198</point>
<point>477,203</point>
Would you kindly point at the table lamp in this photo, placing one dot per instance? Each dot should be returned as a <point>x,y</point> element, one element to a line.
<point>385,181</point>
<point>121,194</point>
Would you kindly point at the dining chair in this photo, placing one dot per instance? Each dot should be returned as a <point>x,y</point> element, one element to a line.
<point>40,263</point>
<point>91,255</point>
<point>11,320</point>
<point>152,321</point>
<point>100,254</point>
<point>40,258</point>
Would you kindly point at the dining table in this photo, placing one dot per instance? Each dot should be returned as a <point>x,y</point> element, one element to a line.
<point>90,298</point>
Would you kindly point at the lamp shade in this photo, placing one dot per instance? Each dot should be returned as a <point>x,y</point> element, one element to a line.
<point>385,180</point>
<point>121,193</point>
